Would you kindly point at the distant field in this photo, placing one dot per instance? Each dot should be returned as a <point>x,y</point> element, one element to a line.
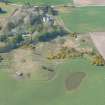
<point>30,92</point>
<point>89,2</point>
<point>37,2</point>
<point>85,19</point>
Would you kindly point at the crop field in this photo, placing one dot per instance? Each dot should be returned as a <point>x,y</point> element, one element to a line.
<point>89,2</point>
<point>85,19</point>
<point>41,2</point>
<point>54,92</point>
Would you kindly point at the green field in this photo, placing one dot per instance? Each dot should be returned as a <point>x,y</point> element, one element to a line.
<point>85,19</point>
<point>31,92</point>
<point>37,2</point>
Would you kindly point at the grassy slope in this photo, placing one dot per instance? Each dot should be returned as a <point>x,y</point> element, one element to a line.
<point>8,8</point>
<point>30,92</point>
<point>85,19</point>
<point>43,1</point>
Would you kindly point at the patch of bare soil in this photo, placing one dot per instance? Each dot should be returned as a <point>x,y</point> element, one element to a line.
<point>22,61</point>
<point>74,80</point>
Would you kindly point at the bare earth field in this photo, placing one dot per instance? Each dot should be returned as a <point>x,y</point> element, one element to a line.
<point>74,80</point>
<point>99,41</point>
<point>89,2</point>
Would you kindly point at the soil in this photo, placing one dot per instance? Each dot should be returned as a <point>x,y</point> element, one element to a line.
<point>74,80</point>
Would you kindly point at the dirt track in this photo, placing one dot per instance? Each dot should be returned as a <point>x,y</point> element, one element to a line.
<point>99,41</point>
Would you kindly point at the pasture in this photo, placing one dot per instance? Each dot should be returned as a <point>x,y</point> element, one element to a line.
<point>85,19</point>
<point>42,2</point>
<point>31,92</point>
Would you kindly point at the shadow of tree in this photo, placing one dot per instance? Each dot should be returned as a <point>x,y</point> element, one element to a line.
<point>2,11</point>
<point>52,35</point>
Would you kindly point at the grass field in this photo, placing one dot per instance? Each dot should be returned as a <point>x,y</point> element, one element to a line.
<point>30,92</point>
<point>85,19</point>
<point>38,2</point>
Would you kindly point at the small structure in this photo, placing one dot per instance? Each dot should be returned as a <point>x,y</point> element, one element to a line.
<point>19,74</point>
<point>47,18</point>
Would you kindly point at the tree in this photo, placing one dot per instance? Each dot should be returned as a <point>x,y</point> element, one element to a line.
<point>19,38</point>
<point>74,34</point>
<point>3,38</point>
<point>0,9</point>
<point>1,58</point>
<point>98,60</point>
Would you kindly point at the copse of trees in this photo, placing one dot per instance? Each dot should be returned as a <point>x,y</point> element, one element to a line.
<point>64,53</point>
<point>1,58</point>
<point>74,34</point>
<point>98,60</point>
